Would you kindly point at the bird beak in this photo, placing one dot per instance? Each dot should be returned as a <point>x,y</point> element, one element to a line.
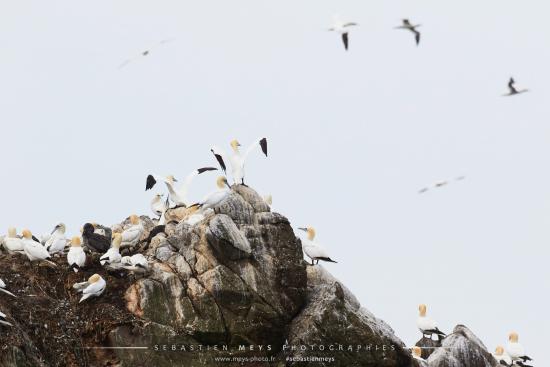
<point>227,184</point>
<point>55,229</point>
<point>303,229</point>
<point>238,144</point>
<point>175,180</point>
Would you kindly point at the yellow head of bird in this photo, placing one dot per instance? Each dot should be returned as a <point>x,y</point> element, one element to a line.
<point>499,350</point>
<point>171,179</point>
<point>221,182</point>
<point>422,310</point>
<point>417,351</point>
<point>75,241</point>
<point>27,234</point>
<point>94,278</point>
<point>12,232</point>
<point>235,145</point>
<point>513,337</point>
<point>134,219</point>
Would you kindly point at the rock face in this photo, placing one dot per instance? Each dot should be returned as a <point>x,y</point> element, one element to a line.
<point>460,349</point>
<point>233,285</point>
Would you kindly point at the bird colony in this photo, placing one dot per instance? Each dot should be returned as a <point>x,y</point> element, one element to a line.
<point>108,242</point>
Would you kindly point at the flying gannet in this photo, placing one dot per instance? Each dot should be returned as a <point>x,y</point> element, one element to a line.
<point>112,256</point>
<point>57,241</point>
<point>237,160</point>
<point>137,260</point>
<point>145,52</point>
<point>12,243</point>
<point>95,241</point>
<point>343,28</point>
<point>408,26</point>
<point>313,250</point>
<point>94,287</point>
<point>132,234</point>
<point>512,89</point>
<point>502,357</point>
<point>3,319</point>
<point>34,249</point>
<point>440,184</point>
<point>426,325</point>
<point>214,198</point>
<point>177,196</point>
<point>515,350</point>
<point>3,288</point>
<point>76,256</point>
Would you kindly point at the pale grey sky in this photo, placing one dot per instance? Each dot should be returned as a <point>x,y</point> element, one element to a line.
<point>352,135</point>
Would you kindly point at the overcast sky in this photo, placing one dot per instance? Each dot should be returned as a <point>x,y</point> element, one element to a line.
<point>352,136</point>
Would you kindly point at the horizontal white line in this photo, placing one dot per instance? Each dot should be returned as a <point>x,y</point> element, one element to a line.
<point>115,348</point>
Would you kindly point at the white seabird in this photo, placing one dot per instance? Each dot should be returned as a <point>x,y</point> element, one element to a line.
<point>137,260</point>
<point>33,249</point>
<point>408,26</point>
<point>237,160</point>
<point>3,288</point>
<point>94,287</point>
<point>515,350</point>
<point>112,255</point>
<point>177,195</point>
<point>57,241</point>
<point>214,198</point>
<point>12,243</point>
<point>132,234</point>
<point>426,325</point>
<point>343,28</point>
<point>313,250</point>
<point>158,206</point>
<point>76,256</point>
<point>3,319</point>
<point>502,357</point>
<point>512,89</point>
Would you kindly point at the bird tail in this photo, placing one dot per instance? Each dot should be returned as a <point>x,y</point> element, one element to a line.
<point>327,259</point>
<point>5,323</point>
<point>198,205</point>
<point>75,267</point>
<point>85,297</point>
<point>8,292</point>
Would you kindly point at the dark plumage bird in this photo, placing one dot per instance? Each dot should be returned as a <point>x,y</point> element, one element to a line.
<point>513,90</point>
<point>95,241</point>
<point>410,27</point>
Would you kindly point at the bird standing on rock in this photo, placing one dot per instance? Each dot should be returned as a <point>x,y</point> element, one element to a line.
<point>76,256</point>
<point>94,241</point>
<point>57,241</point>
<point>515,350</point>
<point>34,249</point>
<point>502,357</point>
<point>313,250</point>
<point>94,287</point>
<point>238,160</point>
<point>112,256</point>
<point>12,243</point>
<point>426,325</point>
<point>132,234</point>
<point>216,197</point>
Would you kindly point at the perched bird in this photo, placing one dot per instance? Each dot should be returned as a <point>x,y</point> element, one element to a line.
<point>313,250</point>
<point>512,89</point>
<point>426,325</point>
<point>76,256</point>
<point>34,249</point>
<point>158,206</point>
<point>57,241</point>
<point>177,195</point>
<point>215,197</point>
<point>238,160</point>
<point>515,350</point>
<point>137,260</point>
<point>94,287</point>
<point>408,26</point>
<point>502,357</point>
<point>3,319</point>
<point>343,28</point>
<point>45,238</point>
<point>95,241</point>
<point>132,234</point>
<point>112,256</point>
<point>12,243</point>
<point>145,52</point>
<point>3,288</point>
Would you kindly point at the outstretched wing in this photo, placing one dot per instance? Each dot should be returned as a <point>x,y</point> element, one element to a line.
<point>262,143</point>
<point>182,191</point>
<point>219,155</point>
<point>345,40</point>
<point>416,36</point>
<point>150,182</point>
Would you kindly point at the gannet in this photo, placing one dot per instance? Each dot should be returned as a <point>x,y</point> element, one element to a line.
<point>132,234</point>
<point>113,254</point>
<point>57,241</point>
<point>33,249</point>
<point>515,350</point>
<point>426,325</point>
<point>45,238</point>
<point>439,184</point>
<point>177,196</point>
<point>512,89</point>
<point>94,287</point>
<point>135,260</point>
<point>502,357</point>
<point>408,26</point>
<point>417,353</point>
<point>145,52</point>
<point>3,319</point>
<point>158,206</point>
<point>313,250</point>
<point>95,241</point>
<point>3,288</point>
<point>76,256</point>
<point>215,197</point>
<point>237,160</point>
<point>12,243</point>
<point>342,28</point>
